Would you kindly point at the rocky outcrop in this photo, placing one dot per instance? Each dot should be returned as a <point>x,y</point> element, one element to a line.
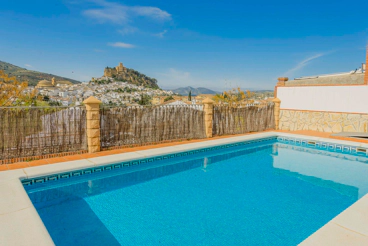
<point>121,73</point>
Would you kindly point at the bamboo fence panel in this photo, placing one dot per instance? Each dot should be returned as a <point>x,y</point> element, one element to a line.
<point>35,131</point>
<point>240,119</point>
<point>137,125</point>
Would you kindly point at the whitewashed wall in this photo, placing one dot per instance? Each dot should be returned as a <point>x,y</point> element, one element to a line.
<point>349,99</point>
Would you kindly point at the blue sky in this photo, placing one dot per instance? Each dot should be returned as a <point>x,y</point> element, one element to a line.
<point>214,44</point>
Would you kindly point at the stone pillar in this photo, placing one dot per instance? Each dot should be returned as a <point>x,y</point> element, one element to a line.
<point>277,112</point>
<point>282,81</point>
<point>93,124</point>
<point>208,116</point>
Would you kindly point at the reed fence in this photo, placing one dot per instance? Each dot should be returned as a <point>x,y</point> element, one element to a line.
<point>228,120</point>
<point>36,131</point>
<point>136,125</point>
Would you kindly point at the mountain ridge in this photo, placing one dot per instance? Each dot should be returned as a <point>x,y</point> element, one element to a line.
<point>33,77</point>
<point>195,91</point>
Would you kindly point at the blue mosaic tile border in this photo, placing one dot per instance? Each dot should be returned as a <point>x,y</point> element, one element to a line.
<point>66,175</point>
<point>322,145</point>
<point>340,155</point>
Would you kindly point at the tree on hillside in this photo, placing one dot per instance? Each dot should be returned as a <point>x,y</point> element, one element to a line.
<point>168,98</point>
<point>13,92</point>
<point>145,100</point>
<point>55,103</point>
<point>190,96</point>
<point>234,96</point>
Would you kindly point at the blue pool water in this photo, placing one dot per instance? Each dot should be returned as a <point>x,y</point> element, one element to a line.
<point>267,193</point>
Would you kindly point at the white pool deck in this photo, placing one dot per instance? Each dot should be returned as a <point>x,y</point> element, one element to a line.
<point>20,223</point>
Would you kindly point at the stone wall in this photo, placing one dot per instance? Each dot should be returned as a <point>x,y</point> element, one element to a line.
<point>294,120</point>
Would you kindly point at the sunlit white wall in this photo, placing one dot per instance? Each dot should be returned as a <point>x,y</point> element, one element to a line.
<point>349,99</point>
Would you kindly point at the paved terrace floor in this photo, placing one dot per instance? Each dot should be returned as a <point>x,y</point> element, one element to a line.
<point>49,161</point>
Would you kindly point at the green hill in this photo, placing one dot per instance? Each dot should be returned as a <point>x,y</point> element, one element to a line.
<point>134,77</point>
<point>28,75</point>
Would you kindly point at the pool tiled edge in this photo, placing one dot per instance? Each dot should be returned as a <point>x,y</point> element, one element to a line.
<point>135,162</point>
<point>21,225</point>
<point>341,148</point>
<point>324,145</point>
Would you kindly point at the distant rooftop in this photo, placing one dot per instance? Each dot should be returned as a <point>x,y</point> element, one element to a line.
<point>355,77</point>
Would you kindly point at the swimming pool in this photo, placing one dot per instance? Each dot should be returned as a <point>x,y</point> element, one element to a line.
<point>272,191</point>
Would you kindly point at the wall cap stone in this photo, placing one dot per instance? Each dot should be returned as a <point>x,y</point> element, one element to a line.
<point>92,100</point>
<point>208,100</point>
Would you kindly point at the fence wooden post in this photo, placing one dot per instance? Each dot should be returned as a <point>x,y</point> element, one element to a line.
<point>208,116</point>
<point>93,124</point>
<point>277,102</point>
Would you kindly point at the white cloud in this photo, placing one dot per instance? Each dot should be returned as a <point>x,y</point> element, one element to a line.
<point>121,45</point>
<point>128,30</point>
<point>302,64</point>
<point>161,34</point>
<point>152,12</point>
<point>27,65</point>
<point>122,14</point>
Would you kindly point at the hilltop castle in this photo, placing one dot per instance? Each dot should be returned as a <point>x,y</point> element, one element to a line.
<point>115,71</point>
<point>121,73</point>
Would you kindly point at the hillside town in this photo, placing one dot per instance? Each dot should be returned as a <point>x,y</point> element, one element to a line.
<point>109,88</point>
<point>115,88</point>
<point>113,92</point>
